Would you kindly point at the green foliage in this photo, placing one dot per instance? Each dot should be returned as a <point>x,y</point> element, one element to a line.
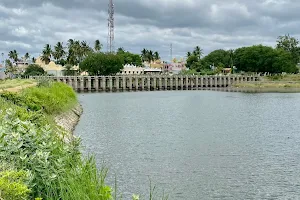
<point>52,100</point>
<point>261,58</point>
<point>102,64</point>
<point>13,185</point>
<point>130,58</point>
<point>34,70</point>
<point>289,44</point>
<point>219,58</point>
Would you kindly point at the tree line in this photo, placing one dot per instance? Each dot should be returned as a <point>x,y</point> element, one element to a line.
<point>284,57</point>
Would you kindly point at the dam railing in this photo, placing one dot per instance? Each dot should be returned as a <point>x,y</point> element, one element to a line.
<point>148,83</point>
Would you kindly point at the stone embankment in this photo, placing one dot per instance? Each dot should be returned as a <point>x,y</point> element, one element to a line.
<point>68,120</point>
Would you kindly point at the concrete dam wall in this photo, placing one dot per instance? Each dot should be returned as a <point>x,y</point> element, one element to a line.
<point>148,83</point>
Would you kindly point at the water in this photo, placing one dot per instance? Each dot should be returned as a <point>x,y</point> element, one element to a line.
<point>196,144</point>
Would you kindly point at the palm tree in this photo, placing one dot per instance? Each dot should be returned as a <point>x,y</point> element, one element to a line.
<point>33,59</point>
<point>156,55</point>
<point>13,55</point>
<point>120,50</point>
<point>144,54</point>
<point>188,54</point>
<point>198,52</point>
<point>46,54</point>
<point>97,46</point>
<point>150,56</point>
<point>59,51</point>
<point>26,56</point>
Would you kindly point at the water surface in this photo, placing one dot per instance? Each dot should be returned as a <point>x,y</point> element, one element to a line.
<point>196,144</point>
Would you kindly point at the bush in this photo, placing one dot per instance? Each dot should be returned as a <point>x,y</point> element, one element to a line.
<point>13,185</point>
<point>34,70</point>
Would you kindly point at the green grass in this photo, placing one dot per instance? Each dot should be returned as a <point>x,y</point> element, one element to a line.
<point>5,84</point>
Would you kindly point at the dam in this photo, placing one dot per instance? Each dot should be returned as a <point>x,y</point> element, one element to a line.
<point>148,83</point>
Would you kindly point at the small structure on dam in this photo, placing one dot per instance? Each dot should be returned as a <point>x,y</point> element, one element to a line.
<point>148,83</point>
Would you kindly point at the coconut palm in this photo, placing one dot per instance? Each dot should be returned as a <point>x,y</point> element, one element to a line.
<point>59,51</point>
<point>13,55</point>
<point>97,46</point>
<point>188,54</point>
<point>46,54</point>
<point>150,56</point>
<point>33,59</point>
<point>198,51</point>
<point>86,49</point>
<point>26,56</point>
<point>156,55</point>
<point>144,54</point>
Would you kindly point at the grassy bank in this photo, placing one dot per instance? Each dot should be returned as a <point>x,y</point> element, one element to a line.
<point>35,160</point>
<point>273,82</point>
<point>8,84</point>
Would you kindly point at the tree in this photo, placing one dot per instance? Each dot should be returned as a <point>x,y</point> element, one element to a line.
<point>26,56</point>
<point>144,55</point>
<point>10,68</point>
<point>129,58</point>
<point>217,58</point>
<point>198,52</point>
<point>97,46</point>
<point>289,44</point>
<point>259,58</point>
<point>156,55</point>
<point>46,54</point>
<point>13,55</point>
<point>33,59</point>
<point>102,64</point>
<point>193,62</point>
<point>34,70</point>
<point>188,54</point>
<point>150,56</point>
<point>58,52</point>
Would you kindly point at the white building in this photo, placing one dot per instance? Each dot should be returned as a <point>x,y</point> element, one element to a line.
<point>132,70</point>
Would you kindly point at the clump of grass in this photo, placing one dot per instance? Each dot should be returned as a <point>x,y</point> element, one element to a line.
<point>5,84</point>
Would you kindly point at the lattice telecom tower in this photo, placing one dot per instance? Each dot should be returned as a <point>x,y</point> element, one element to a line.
<point>111,27</point>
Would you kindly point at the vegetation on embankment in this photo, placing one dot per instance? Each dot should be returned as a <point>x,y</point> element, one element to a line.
<point>273,82</point>
<point>35,160</point>
<point>13,83</point>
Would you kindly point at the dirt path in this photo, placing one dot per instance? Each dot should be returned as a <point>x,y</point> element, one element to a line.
<point>18,88</point>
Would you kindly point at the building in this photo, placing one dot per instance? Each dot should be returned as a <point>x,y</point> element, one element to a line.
<point>174,67</point>
<point>132,70</point>
<point>2,72</point>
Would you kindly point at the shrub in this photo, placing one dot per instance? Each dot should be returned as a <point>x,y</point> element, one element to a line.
<point>13,185</point>
<point>34,70</point>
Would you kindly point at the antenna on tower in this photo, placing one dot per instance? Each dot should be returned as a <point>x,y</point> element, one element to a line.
<point>111,27</point>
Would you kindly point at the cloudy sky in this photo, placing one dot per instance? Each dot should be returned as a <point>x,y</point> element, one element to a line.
<point>27,25</point>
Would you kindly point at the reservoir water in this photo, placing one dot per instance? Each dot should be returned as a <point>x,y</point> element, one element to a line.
<point>196,144</point>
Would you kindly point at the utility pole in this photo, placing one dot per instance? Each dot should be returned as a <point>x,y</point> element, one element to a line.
<point>171,52</point>
<point>111,27</point>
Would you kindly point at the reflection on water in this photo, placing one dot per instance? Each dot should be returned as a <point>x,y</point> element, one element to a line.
<point>196,144</point>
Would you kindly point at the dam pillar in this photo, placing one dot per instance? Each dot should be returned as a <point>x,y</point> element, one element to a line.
<point>181,82</point>
<point>136,79</point>
<point>89,86</point>
<point>123,83</point>
<point>130,83</point>
<point>110,84</point>
<point>160,83</point>
<point>143,83</point>
<point>75,83</point>
<point>103,83</point>
<point>148,83</point>
<point>171,83</point>
<point>154,83</point>
<point>117,83</point>
<point>176,83</point>
<point>197,82</point>
<point>96,83</point>
<point>166,82</point>
<point>81,84</point>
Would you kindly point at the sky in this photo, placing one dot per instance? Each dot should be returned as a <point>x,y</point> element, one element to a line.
<point>27,25</point>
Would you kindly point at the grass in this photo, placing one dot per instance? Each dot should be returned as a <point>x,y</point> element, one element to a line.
<point>5,84</point>
<point>273,82</point>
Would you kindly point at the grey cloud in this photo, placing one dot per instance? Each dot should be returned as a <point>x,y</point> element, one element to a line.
<point>27,25</point>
